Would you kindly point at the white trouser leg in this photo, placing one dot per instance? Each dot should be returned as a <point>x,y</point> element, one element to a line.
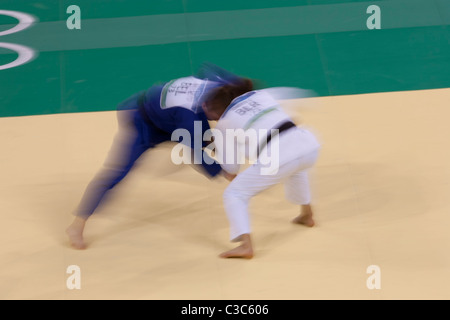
<point>250,182</point>
<point>296,186</point>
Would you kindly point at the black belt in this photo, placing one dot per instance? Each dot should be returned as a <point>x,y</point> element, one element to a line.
<point>283,127</point>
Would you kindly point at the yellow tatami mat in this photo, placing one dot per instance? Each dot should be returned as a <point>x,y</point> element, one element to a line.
<point>381,196</point>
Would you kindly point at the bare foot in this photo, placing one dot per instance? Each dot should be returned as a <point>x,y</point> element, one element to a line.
<point>245,250</point>
<point>75,233</point>
<point>305,217</point>
<point>239,252</point>
<point>304,220</point>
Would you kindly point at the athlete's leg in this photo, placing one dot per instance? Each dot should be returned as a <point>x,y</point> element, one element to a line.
<point>128,145</point>
<point>236,201</point>
<point>297,190</point>
<point>251,182</point>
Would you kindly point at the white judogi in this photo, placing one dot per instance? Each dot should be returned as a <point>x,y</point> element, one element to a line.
<point>285,158</point>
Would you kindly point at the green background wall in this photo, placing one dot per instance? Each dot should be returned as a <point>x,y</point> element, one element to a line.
<point>125,46</point>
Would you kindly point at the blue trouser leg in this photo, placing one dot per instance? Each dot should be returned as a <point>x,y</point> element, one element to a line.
<point>129,144</point>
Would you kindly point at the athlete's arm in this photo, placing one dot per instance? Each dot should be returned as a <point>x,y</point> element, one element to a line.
<point>196,125</point>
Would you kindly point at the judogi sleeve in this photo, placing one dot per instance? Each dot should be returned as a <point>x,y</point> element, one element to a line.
<point>196,124</point>
<point>226,147</point>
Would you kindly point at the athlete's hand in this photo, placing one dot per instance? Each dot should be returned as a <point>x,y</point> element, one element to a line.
<point>228,176</point>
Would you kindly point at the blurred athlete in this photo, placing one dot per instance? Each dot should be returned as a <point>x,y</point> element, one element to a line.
<point>254,125</point>
<point>145,120</point>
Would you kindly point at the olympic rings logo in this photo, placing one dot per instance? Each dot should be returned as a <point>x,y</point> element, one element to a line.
<point>25,54</point>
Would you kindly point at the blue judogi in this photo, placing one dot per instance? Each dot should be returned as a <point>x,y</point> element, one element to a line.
<point>154,114</point>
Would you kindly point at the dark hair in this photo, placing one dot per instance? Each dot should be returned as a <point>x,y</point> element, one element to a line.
<point>220,98</point>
